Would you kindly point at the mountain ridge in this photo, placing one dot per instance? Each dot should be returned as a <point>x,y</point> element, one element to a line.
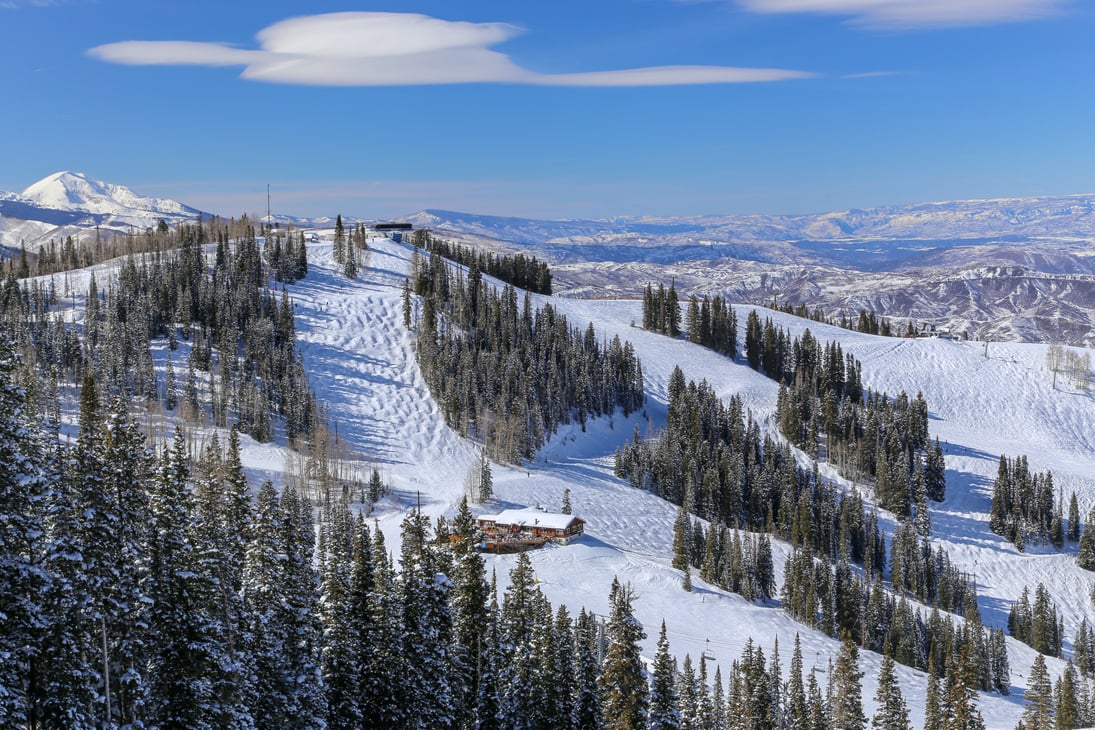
<point>69,203</point>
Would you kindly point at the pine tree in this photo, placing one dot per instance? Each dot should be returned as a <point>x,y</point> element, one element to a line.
<point>892,713</point>
<point>1038,712</point>
<point>427,629</point>
<point>23,489</point>
<point>470,595</point>
<point>1066,701</point>
<point>664,714</point>
<point>1073,519</point>
<point>796,714</point>
<point>846,699</point>
<point>1085,557</point>
<point>588,698</point>
<point>933,702</point>
<point>486,481</point>
<point>959,698</point>
<point>622,681</point>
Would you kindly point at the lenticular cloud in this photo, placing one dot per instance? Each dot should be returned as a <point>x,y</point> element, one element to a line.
<point>396,49</point>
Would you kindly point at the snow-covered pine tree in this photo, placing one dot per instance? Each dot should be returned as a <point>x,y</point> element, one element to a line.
<point>588,700</point>
<point>469,597</point>
<point>23,492</point>
<point>846,699</point>
<point>1038,712</point>
<point>427,629</point>
<point>892,712</point>
<point>341,665</point>
<point>623,685</point>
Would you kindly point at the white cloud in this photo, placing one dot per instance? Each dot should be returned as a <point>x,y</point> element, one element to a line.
<point>915,13</point>
<point>395,49</point>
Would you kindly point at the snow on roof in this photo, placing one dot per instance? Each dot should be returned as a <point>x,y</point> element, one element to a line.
<point>531,517</point>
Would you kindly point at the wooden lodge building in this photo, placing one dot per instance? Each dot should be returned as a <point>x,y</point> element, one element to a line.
<point>517,530</point>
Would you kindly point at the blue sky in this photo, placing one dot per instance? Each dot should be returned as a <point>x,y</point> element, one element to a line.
<point>562,109</point>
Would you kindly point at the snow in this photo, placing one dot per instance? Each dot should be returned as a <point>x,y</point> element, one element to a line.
<point>71,203</point>
<point>361,364</point>
<point>531,517</point>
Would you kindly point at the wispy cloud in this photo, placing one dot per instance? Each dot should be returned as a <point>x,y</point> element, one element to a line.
<point>397,49</point>
<point>15,4</point>
<point>916,13</point>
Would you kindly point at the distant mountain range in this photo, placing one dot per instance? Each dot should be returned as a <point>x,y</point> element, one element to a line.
<point>70,203</point>
<point>1007,269</point>
<point>1011,269</point>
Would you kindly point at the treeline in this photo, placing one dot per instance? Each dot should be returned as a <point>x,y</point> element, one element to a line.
<point>507,374</point>
<point>1025,507</point>
<point>350,251</point>
<point>1037,624</point>
<point>824,410</point>
<point>867,322</point>
<point>661,310</point>
<point>519,271</point>
<point>242,359</point>
<point>734,561</point>
<point>710,322</point>
<point>712,460</point>
<point>70,253</point>
<point>834,599</point>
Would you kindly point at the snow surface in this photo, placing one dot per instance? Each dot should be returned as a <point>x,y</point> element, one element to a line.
<point>983,403</point>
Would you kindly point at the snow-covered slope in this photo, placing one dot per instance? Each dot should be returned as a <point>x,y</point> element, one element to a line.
<point>982,405</point>
<point>984,402</point>
<point>71,203</point>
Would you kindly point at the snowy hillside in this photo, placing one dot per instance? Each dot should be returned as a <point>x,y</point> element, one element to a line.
<point>360,361</point>
<point>984,402</point>
<point>71,203</point>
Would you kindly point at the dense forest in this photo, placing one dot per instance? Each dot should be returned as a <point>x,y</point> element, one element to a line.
<point>822,406</point>
<point>241,364</point>
<point>506,373</point>
<point>518,270</point>
<point>145,589</point>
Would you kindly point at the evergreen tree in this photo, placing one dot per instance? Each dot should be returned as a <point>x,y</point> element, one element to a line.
<point>933,702</point>
<point>588,698</point>
<point>1085,557</point>
<point>959,697</point>
<point>845,700</point>
<point>1068,715</point>
<point>470,612</point>
<point>23,490</point>
<point>664,714</point>
<point>427,630</point>
<point>796,713</point>
<point>622,682</point>
<point>892,713</point>
<point>1038,712</point>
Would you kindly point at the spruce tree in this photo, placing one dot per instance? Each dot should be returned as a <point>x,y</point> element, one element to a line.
<point>23,491</point>
<point>664,714</point>
<point>470,595</point>
<point>846,697</point>
<point>1038,710</point>
<point>622,682</point>
<point>1085,557</point>
<point>892,713</point>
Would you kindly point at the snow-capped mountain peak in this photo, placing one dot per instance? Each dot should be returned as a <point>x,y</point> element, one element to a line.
<point>76,191</point>
<point>71,203</point>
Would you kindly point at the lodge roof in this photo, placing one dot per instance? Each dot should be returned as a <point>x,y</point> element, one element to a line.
<point>532,518</point>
